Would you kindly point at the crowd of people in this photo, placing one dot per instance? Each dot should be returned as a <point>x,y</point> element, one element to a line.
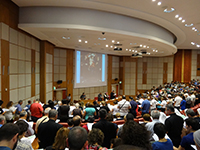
<point>169,122</point>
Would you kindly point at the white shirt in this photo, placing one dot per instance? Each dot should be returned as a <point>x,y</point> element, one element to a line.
<point>163,104</point>
<point>115,109</point>
<point>140,101</point>
<point>153,103</point>
<point>178,100</point>
<point>193,98</point>
<point>124,105</point>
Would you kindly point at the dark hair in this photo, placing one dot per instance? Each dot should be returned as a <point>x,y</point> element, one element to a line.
<point>193,123</point>
<point>9,104</point>
<point>129,116</point>
<point>51,104</point>
<point>135,134</point>
<point>116,142</point>
<point>129,147</point>
<point>77,138</point>
<point>20,101</point>
<point>102,113</point>
<point>1,102</point>
<point>95,136</point>
<point>91,119</point>
<point>170,107</point>
<point>70,122</point>
<point>29,102</point>
<point>64,101</point>
<point>8,131</point>
<point>159,130</point>
<point>23,126</point>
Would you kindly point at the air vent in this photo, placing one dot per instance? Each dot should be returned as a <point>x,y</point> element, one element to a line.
<point>117,44</point>
<point>136,47</point>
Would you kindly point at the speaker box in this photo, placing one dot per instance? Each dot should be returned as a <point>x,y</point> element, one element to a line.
<point>59,81</point>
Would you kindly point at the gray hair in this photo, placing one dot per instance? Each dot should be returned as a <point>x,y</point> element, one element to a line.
<point>46,111</point>
<point>23,113</point>
<point>52,113</point>
<point>2,118</point>
<point>155,114</point>
<point>190,112</point>
<point>77,105</point>
<point>170,107</point>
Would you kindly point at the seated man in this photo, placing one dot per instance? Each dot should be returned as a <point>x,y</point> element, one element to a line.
<point>2,120</point>
<point>8,136</point>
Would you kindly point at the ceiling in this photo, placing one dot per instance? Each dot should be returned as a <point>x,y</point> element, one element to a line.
<point>144,9</point>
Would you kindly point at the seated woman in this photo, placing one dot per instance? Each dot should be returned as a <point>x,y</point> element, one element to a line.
<point>163,143</point>
<point>60,140</point>
<point>63,111</point>
<point>95,139</point>
<point>9,112</point>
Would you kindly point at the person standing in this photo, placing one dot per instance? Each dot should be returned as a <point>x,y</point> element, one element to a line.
<point>99,97</point>
<point>174,125</point>
<point>145,106</point>
<point>112,95</point>
<point>134,106</point>
<point>124,106</point>
<point>18,106</point>
<point>36,111</point>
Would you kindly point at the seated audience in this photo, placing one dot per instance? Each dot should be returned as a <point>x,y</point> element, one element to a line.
<point>9,112</point>
<point>22,144</point>
<point>1,110</point>
<point>95,139</point>
<point>60,140</point>
<point>163,143</point>
<point>104,106</point>
<point>146,118</point>
<point>9,136</point>
<point>18,107</point>
<point>48,130</point>
<point>70,124</point>
<point>136,135</point>
<point>77,139</point>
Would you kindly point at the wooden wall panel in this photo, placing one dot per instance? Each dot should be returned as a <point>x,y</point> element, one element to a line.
<point>109,72</point>
<point>32,73</point>
<point>165,70</point>
<point>187,65</point>
<point>69,72</point>
<point>5,72</point>
<point>177,66</point>
<point>144,73</point>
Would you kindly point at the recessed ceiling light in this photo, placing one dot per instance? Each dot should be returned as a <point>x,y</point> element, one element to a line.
<point>189,25</point>
<point>153,0</point>
<point>99,44</point>
<point>159,3</point>
<point>106,45</point>
<point>144,46</point>
<point>156,50</point>
<point>193,28</point>
<point>111,46</point>
<point>115,46</point>
<point>126,49</point>
<point>135,43</point>
<point>117,42</point>
<point>129,49</point>
<point>113,41</point>
<point>79,40</point>
<point>183,21</point>
<point>140,45</point>
<point>147,46</point>
<point>180,18</point>
<point>132,50</point>
<point>86,41</point>
<point>176,16</point>
<point>198,45</point>
<point>130,43</point>
<point>64,37</point>
<point>192,43</point>
<point>169,10</point>
<point>136,51</point>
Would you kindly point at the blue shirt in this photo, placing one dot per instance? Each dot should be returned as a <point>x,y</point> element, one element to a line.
<point>183,104</point>
<point>187,141</point>
<point>168,145</point>
<point>145,106</point>
<point>4,148</point>
<point>19,108</point>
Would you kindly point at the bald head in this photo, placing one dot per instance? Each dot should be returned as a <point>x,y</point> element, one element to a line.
<point>77,120</point>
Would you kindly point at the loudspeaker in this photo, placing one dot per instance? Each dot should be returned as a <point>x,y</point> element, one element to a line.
<point>59,81</point>
<point>116,79</point>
